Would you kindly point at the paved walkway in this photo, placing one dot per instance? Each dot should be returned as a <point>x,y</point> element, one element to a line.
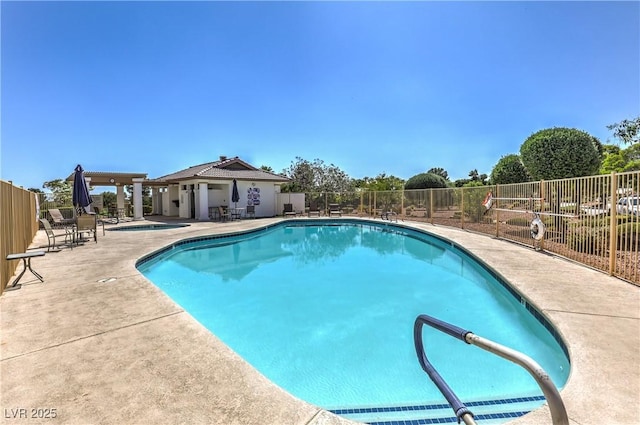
<point>121,352</point>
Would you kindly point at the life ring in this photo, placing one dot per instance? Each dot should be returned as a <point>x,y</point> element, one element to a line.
<point>488,200</point>
<point>537,229</point>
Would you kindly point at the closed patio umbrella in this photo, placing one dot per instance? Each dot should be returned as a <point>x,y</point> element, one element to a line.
<point>81,197</point>
<point>235,196</point>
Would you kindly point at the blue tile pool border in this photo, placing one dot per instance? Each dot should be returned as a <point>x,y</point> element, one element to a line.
<point>360,410</point>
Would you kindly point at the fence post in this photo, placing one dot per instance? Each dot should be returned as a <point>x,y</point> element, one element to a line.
<point>326,205</point>
<point>375,203</point>
<point>431,205</point>
<point>542,208</point>
<point>613,223</point>
<point>462,207</point>
<point>496,211</point>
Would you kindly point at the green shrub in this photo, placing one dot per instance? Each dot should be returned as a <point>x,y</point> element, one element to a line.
<point>603,221</point>
<point>595,240</point>
<point>628,237</point>
<point>474,211</point>
<point>588,240</point>
<point>425,181</point>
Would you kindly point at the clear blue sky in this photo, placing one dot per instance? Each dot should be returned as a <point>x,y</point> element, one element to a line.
<point>372,87</point>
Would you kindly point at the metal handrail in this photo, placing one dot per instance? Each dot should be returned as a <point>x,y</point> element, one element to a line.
<point>556,406</point>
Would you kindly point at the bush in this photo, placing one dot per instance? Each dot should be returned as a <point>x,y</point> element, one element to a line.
<point>588,240</point>
<point>509,170</point>
<point>595,240</point>
<point>474,211</point>
<point>603,221</point>
<point>558,153</point>
<point>425,181</point>
<point>628,237</point>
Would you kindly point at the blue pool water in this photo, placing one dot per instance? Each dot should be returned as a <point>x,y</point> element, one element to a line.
<point>327,312</point>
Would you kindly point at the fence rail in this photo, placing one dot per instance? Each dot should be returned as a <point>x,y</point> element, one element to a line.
<point>593,220</point>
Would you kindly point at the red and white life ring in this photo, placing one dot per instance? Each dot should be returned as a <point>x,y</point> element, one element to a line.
<point>488,200</point>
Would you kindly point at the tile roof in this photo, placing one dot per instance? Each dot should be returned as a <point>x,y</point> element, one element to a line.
<point>224,169</point>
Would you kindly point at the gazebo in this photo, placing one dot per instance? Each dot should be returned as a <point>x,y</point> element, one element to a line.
<point>119,180</point>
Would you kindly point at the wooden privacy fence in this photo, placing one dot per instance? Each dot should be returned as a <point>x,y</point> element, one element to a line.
<point>593,220</point>
<point>18,226</point>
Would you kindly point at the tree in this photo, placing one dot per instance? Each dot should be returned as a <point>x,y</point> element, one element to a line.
<point>316,176</point>
<point>439,171</point>
<point>474,177</point>
<point>558,153</point>
<point>509,169</point>
<point>146,195</point>
<point>425,181</point>
<point>266,168</point>
<point>627,130</point>
<point>61,191</point>
<point>379,183</point>
<point>620,160</point>
<point>35,190</point>
<point>109,200</point>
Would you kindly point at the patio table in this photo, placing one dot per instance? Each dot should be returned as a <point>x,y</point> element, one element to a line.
<point>236,213</point>
<point>26,259</point>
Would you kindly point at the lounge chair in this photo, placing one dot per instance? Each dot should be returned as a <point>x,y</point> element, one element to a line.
<point>288,210</point>
<point>59,220</point>
<point>334,209</point>
<point>313,211</point>
<point>51,235</point>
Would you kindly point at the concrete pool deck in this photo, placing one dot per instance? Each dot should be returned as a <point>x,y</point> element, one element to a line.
<point>122,352</point>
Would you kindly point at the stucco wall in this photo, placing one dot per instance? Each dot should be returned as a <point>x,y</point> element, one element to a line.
<point>261,194</point>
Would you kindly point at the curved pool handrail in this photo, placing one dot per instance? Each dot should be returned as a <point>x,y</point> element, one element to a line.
<point>556,405</point>
<point>461,411</point>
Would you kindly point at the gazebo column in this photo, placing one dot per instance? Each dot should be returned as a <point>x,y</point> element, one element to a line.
<point>156,200</point>
<point>88,182</point>
<point>120,198</point>
<point>137,199</point>
<point>203,198</point>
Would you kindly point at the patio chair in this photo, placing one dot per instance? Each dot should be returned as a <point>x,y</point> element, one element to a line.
<point>224,214</point>
<point>250,211</point>
<point>87,223</point>
<point>104,218</point>
<point>51,235</point>
<point>288,210</point>
<point>334,209</point>
<point>387,214</point>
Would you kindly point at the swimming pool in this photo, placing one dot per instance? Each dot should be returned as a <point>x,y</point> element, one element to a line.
<point>152,226</point>
<point>325,309</point>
